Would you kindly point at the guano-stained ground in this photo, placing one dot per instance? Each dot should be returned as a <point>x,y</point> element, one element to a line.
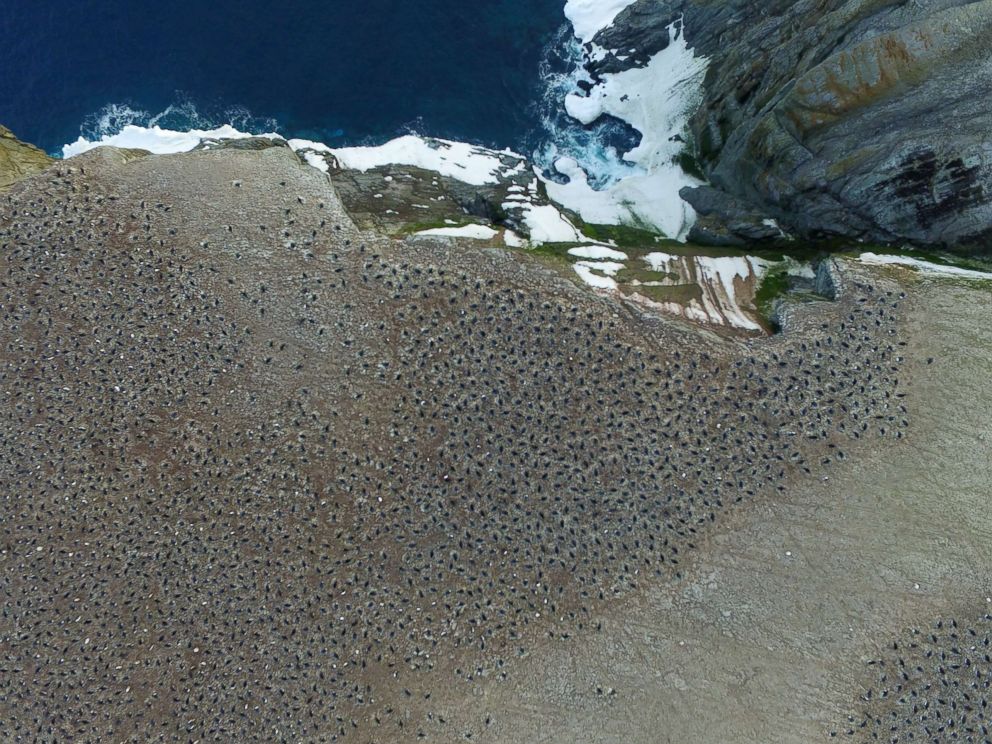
<point>268,478</point>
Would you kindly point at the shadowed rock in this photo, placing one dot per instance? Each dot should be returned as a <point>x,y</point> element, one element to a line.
<point>858,118</point>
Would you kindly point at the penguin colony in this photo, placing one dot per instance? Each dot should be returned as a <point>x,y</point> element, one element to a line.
<point>270,479</point>
<point>935,685</point>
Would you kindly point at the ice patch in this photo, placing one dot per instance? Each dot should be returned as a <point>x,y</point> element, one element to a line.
<point>597,252</point>
<point>589,273</point>
<point>475,232</point>
<point>476,166</point>
<point>589,17</point>
<point>925,267</point>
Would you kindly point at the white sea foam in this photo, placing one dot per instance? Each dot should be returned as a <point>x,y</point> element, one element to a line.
<point>180,116</point>
<point>594,147</point>
<point>184,114</point>
<point>156,140</point>
<point>111,119</point>
<point>656,100</point>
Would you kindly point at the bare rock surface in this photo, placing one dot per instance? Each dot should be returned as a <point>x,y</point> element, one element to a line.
<point>18,159</point>
<point>858,118</point>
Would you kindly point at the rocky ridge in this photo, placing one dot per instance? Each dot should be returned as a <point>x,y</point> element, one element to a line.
<point>18,159</point>
<point>866,119</point>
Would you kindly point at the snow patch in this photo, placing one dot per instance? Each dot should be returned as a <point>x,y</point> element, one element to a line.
<point>718,278</point>
<point>513,240</point>
<point>589,17</point>
<point>587,272</point>
<point>317,161</point>
<point>925,267</point>
<point>545,223</point>
<point>597,252</point>
<point>475,232</point>
<point>477,166</point>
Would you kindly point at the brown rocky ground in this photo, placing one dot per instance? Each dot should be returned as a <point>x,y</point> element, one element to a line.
<point>267,477</point>
<point>784,622</point>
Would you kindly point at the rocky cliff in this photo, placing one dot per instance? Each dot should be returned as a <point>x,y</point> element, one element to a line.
<point>859,118</point>
<point>17,159</point>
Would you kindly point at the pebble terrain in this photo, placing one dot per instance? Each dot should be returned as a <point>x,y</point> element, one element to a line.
<point>266,477</point>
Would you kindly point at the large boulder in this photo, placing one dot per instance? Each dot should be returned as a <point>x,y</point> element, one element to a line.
<point>861,118</point>
<point>17,159</point>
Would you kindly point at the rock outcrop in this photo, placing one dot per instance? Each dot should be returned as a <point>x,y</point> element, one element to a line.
<point>859,118</point>
<point>17,159</point>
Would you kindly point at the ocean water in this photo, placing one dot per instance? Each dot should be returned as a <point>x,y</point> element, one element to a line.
<point>338,71</point>
<point>503,74</point>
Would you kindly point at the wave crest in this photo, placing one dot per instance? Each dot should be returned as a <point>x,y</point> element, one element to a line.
<point>182,115</point>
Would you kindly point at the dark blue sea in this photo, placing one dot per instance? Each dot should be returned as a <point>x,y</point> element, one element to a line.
<point>338,71</point>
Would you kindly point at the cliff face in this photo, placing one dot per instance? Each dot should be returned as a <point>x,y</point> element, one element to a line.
<point>860,118</point>
<point>18,159</point>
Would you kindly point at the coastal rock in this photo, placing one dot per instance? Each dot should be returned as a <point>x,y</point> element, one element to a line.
<point>410,195</point>
<point>724,220</point>
<point>400,199</point>
<point>245,143</point>
<point>858,118</point>
<point>18,160</point>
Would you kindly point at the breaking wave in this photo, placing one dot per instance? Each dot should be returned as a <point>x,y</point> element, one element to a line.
<point>183,115</point>
<point>596,147</point>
